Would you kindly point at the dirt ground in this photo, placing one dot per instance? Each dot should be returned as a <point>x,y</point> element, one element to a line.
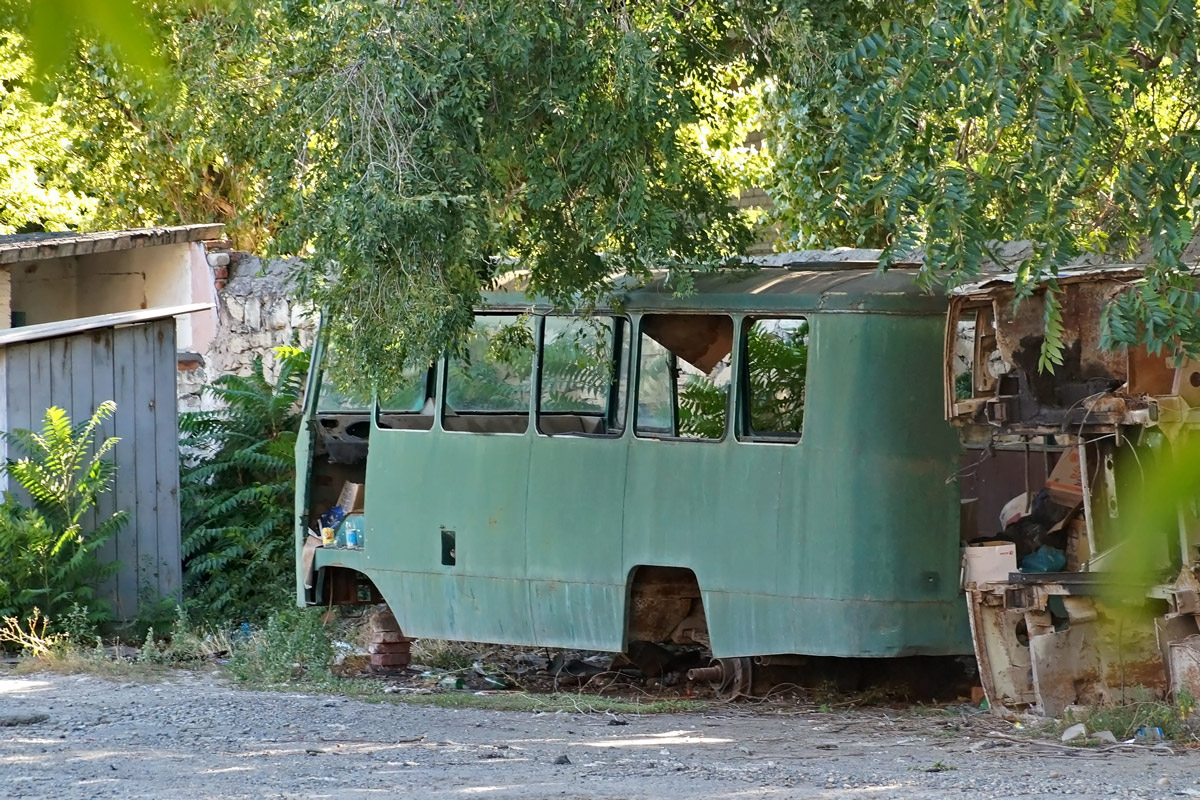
<point>194,737</point>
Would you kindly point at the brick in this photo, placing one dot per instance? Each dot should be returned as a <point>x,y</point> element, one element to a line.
<point>390,659</point>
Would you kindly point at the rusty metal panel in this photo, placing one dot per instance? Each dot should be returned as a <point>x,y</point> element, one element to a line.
<point>1063,662</point>
<point>1185,666</point>
<point>1001,650</point>
<point>1025,399</point>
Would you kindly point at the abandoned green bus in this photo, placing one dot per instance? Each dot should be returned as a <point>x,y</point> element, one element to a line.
<point>760,468</point>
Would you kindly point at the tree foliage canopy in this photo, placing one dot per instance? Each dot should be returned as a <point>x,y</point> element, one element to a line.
<point>36,154</point>
<point>412,152</point>
<point>421,150</point>
<point>953,124</point>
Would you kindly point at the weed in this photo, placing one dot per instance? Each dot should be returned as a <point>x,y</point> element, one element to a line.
<point>46,651</point>
<point>154,612</point>
<point>186,644</point>
<point>31,636</point>
<point>441,654</point>
<point>293,647</point>
<point>71,659</point>
<point>50,546</point>
<point>940,766</point>
<point>1144,712</point>
<point>237,492</point>
<point>79,626</point>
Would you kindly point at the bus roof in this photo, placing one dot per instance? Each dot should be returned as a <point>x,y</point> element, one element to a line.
<point>845,281</point>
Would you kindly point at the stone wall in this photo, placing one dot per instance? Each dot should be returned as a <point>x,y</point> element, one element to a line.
<point>256,312</point>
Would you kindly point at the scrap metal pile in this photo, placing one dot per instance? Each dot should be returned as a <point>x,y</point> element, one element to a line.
<point>1049,466</point>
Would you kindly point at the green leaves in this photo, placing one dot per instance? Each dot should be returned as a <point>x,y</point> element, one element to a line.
<point>237,488</point>
<point>1052,345</point>
<point>418,152</point>
<point>51,546</point>
<point>1071,126</point>
<point>52,28</point>
<point>36,156</point>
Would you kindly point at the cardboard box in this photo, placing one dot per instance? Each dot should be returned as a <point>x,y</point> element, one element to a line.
<point>1078,551</point>
<point>1065,484</point>
<point>351,498</point>
<point>989,562</point>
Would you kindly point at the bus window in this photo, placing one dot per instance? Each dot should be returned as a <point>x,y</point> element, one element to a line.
<point>656,389</point>
<point>488,390</point>
<point>341,400</point>
<point>683,376</point>
<point>581,385</point>
<point>776,366</point>
<point>407,407</point>
<point>408,398</point>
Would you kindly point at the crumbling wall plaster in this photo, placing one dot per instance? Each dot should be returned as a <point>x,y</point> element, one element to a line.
<point>256,312</point>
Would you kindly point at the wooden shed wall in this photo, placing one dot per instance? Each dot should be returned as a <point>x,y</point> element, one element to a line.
<point>135,366</point>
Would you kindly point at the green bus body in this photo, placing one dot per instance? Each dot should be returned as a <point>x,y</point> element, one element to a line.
<point>845,543</point>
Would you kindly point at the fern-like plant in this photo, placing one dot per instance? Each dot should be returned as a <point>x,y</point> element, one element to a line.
<point>778,365</point>
<point>50,547</point>
<point>237,489</point>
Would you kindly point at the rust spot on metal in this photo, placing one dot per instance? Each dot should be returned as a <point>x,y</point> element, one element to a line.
<point>1010,392</point>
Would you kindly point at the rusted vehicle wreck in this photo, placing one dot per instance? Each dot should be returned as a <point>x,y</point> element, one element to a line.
<point>696,471</point>
<point>1050,460</point>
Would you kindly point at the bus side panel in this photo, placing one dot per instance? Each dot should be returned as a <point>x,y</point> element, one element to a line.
<point>425,486</point>
<point>589,616</point>
<point>869,528</point>
<point>711,507</point>
<point>576,494</point>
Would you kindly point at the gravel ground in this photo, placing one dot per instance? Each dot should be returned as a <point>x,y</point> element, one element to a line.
<point>196,737</point>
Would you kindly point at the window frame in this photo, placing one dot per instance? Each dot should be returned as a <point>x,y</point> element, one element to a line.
<point>745,430</point>
<point>443,385</point>
<point>636,365</point>
<point>613,408</point>
<point>379,413</point>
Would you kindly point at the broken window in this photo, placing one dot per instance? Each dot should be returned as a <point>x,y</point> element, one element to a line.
<point>683,375</point>
<point>344,411</point>
<point>581,388</point>
<point>776,366</point>
<point>410,406</point>
<point>656,389</point>
<point>488,387</point>
<point>977,362</point>
<point>408,398</point>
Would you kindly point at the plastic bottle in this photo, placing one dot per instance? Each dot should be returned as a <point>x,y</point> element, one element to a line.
<point>353,527</point>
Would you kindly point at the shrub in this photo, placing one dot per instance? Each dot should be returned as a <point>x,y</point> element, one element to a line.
<point>293,647</point>
<point>237,492</point>
<point>50,560</point>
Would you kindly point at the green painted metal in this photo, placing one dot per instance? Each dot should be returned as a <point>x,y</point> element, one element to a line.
<point>843,544</point>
